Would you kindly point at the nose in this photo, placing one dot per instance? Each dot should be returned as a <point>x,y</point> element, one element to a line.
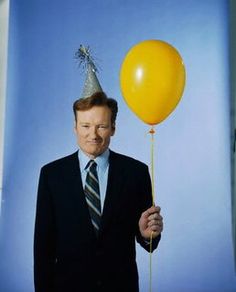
<point>93,133</point>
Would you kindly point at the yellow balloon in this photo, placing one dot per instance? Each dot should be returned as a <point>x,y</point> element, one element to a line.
<point>152,79</point>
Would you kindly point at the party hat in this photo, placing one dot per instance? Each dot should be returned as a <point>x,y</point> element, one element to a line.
<point>91,84</point>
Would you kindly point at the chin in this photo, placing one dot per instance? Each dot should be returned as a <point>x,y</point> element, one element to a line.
<point>94,153</point>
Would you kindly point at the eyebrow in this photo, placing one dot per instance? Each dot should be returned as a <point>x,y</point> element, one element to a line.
<point>99,124</point>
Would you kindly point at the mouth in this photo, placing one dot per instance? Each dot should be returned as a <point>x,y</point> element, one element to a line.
<point>94,142</point>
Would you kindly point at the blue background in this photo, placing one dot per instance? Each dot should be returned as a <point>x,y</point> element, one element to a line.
<point>192,147</point>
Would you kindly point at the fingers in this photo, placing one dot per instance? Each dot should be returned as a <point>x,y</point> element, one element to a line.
<point>154,209</point>
<point>151,222</point>
<point>155,216</point>
<point>151,210</point>
<point>155,220</point>
<point>155,223</point>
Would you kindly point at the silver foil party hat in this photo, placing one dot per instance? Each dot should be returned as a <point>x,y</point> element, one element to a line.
<point>91,84</point>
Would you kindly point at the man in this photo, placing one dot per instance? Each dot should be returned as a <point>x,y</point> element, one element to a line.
<point>73,250</point>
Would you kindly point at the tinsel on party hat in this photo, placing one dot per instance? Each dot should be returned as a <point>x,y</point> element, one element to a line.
<point>91,84</point>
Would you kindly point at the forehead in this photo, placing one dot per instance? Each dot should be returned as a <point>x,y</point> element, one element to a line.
<point>94,114</point>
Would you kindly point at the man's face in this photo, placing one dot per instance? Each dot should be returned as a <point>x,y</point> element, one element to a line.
<point>94,130</point>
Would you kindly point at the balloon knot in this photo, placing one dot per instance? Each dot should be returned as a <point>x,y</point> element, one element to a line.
<point>152,131</point>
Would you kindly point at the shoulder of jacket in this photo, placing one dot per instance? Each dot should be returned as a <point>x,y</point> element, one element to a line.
<point>61,162</point>
<point>127,159</point>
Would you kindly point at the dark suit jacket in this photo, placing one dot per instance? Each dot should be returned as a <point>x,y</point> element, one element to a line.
<point>68,257</point>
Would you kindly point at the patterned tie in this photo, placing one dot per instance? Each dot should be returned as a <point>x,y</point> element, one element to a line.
<point>92,194</point>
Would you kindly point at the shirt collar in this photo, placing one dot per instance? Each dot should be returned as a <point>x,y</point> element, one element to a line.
<point>101,160</point>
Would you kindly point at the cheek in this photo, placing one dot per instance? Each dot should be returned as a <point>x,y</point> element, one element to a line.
<point>107,140</point>
<point>79,133</point>
<point>80,138</point>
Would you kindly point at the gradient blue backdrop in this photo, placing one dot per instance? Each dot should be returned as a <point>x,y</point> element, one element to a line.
<point>192,147</point>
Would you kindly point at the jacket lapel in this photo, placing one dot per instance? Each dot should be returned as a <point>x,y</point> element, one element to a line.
<point>77,195</point>
<point>114,186</point>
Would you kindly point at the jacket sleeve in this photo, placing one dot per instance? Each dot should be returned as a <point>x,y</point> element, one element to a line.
<point>145,189</point>
<point>44,238</point>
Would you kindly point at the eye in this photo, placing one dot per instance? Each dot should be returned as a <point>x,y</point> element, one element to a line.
<point>102,126</point>
<point>85,126</point>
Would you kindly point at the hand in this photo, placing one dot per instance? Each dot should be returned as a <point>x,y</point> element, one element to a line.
<point>151,222</point>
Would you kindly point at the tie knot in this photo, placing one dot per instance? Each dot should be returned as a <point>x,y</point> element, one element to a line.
<point>91,165</point>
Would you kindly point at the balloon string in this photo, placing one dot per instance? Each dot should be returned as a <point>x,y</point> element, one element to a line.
<point>152,132</point>
<point>150,265</point>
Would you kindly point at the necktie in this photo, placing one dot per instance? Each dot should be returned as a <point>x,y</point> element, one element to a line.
<point>92,194</point>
